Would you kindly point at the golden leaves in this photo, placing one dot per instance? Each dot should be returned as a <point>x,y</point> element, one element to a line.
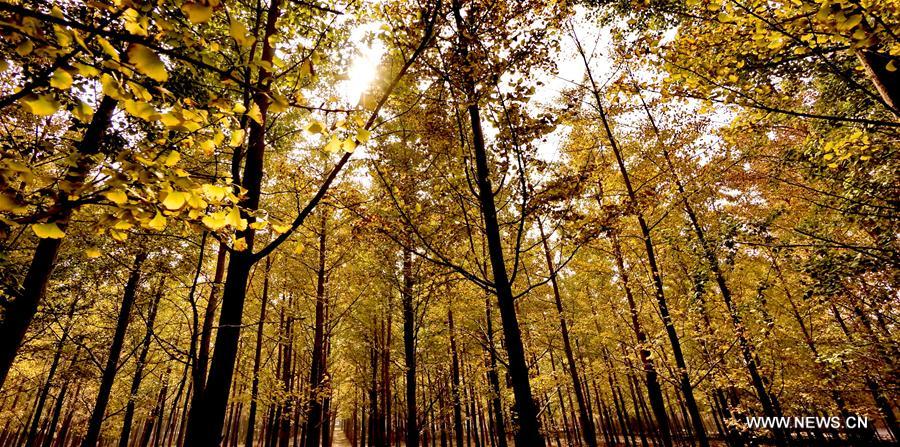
<point>40,105</point>
<point>147,62</point>
<point>61,79</point>
<point>197,13</point>
<point>48,231</point>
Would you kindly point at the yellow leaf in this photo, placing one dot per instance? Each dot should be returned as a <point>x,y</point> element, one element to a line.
<point>362,135</point>
<point>92,253</point>
<point>82,111</point>
<point>298,249</point>
<point>116,196</point>
<point>24,47</point>
<point>158,222</point>
<point>240,34</point>
<point>172,158</point>
<point>41,105</point>
<point>259,224</point>
<point>174,200</point>
<point>234,219</point>
<point>7,203</point>
<point>891,66</point>
<point>255,114</point>
<point>349,145</point>
<point>196,12</point>
<point>61,79</point>
<point>147,62</point>
<point>240,244</point>
<point>48,231</point>
<point>237,137</point>
<point>108,48</point>
<point>333,145</point>
<point>214,193</point>
<point>315,127</point>
<point>214,221</point>
<point>280,228</point>
<point>140,110</point>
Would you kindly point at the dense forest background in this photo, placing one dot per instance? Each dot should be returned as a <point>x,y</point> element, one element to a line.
<point>449,222</point>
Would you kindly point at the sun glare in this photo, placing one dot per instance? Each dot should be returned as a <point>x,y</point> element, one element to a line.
<point>363,71</point>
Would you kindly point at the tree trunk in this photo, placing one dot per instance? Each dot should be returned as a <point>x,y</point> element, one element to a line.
<point>125,435</point>
<point>683,380</point>
<point>313,426</point>
<point>254,391</point>
<point>454,383</point>
<point>494,379</point>
<point>115,350</point>
<point>19,312</point>
<point>409,351</point>
<point>588,431</point>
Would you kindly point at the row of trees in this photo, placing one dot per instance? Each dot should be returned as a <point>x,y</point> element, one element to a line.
<point>542,222</point>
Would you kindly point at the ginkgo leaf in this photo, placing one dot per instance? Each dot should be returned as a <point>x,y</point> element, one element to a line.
<point>174,200</point>
<point>108,48</point>
<point>349,145</point>
<point>147,62</point>
<point>172,158</point>
<point>214,193</point>
<point>82,111</point>
<point>298,249</point>
<point>240,34</point>
<point>196,12</point>
<point>158,222</point>
<point>92,253</point>
<point>891,66</point>
<point>214,221</point>
<point>240,244</point>
<point>259,224</point>
<point>280,228</point>
<point>234,219</point>
<point>362,135</point>
<point>41,105</point>
<point>315,127</point>
<point>116,196</point>
<point>24,47</point>
<point>333,145</point>
<point>237,138</point>
<point>61,79</point>
<point>48,231</point>
<point>255,114</point>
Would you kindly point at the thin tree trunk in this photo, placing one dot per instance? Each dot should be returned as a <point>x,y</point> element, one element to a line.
<point>409,351</point>
<point>257,358</point>
<point>313,426</point>
<point>683,379</point>
<point>115,350</point>
<point>125,435</point>
<point>454,383</point>
<point>587,424</point>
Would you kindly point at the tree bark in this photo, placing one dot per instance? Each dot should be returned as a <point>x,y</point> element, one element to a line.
<point>20,311</point>
<point>115,350</point>
<point>588,431</point>
<point>409,351</point>
<point>125,435</point>
<point>313,426</point>
<point>257,358</point>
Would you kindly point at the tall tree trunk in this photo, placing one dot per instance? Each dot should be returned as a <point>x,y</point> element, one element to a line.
<point>19,312</point>
<point>287,377</point>
<point>125,435</point>
<point>588,431</point>
<point>313,426</point>
<point>683,380</point>
<point>654,390</point>
<point>409,351</point>
<point>208,413</point>
<point>257,358</point>
<point>201,361</point>
<point>529,433</point>
<point>54,364</point>
<point>494,379</point>
<point>60,400</point>
<point>454,382</point>
<point>115,350</point>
